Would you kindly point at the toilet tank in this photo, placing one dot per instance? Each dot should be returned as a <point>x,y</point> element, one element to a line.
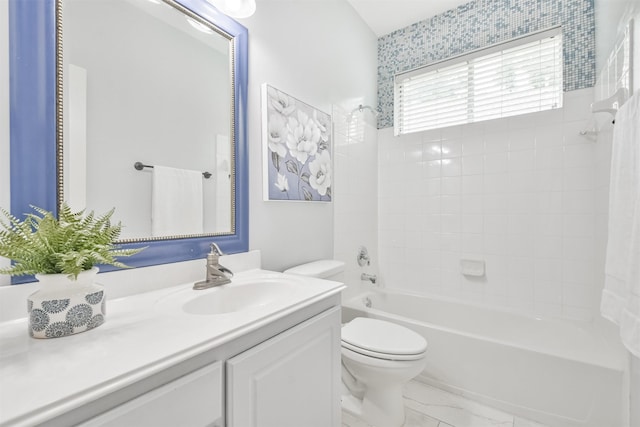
<point>329,269</point>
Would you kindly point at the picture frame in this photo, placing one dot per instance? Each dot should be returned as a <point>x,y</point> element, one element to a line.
<point>298,149</point>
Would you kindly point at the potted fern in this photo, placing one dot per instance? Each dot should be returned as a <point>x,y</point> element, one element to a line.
<point>62,253</point>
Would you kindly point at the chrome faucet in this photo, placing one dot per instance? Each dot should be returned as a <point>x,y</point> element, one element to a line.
<point>370,277</point>
<point>216,274</point>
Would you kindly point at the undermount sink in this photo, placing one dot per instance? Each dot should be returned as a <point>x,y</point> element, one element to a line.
<point>238,297</point>
<point>248,292</point>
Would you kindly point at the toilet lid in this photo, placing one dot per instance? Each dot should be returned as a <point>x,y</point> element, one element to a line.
<point>380,338</point>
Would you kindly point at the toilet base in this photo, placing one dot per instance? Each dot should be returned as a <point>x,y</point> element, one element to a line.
<point>378,408</point>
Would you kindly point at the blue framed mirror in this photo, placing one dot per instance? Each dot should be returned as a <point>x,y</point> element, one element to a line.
<point>40,110</point>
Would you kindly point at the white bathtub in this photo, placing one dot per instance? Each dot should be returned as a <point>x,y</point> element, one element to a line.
<point>550,371</point>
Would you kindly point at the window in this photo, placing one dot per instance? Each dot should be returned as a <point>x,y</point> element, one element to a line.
<point>517,77</point>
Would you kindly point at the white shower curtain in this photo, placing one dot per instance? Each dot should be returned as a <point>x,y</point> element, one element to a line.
<point>621,294</point>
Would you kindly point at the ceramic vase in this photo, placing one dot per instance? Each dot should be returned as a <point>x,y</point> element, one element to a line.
<point>63,306</point>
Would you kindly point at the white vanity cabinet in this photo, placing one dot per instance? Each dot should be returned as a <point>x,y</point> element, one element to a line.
<point>275,363</point>
<point>290,380</point>
<point>193,400</point>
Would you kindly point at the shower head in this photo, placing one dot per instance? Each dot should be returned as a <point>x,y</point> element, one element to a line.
<point>360,109</point>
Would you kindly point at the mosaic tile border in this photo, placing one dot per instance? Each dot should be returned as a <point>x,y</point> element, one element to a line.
<point>482,23</point>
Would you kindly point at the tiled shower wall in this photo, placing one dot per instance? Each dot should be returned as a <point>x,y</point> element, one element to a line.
<point>356,192</point>
<point>481,23</point>
<point>518,194</point>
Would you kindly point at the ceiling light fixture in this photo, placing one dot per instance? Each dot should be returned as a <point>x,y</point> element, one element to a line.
<point>235,8</point>
<point>198,26</point>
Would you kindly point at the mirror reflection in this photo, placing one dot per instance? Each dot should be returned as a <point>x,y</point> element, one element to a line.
<point>148,118</point>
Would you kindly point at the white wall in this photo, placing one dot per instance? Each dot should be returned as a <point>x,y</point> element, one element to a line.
<point>517,193</point>
<point>610,16</point>
<point>4,119</point>
<point>320,52</point>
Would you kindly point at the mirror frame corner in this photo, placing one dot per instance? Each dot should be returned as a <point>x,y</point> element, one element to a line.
<point>33,122</point>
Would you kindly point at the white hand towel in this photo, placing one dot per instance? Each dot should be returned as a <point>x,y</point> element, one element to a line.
<point>621,294</point>
<point>176,202</point>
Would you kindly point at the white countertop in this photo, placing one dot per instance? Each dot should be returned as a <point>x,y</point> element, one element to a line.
<point>143,334</point>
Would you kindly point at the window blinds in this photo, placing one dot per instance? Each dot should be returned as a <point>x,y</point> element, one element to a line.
<point>518,77</point>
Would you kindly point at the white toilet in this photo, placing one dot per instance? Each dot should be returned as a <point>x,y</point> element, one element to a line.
<point>378,358</point>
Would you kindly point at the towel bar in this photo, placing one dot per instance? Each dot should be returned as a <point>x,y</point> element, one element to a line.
<point>139,166</point>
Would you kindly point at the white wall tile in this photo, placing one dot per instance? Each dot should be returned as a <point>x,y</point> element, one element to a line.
<point>519,193</point>
<point>521,160</point>
<point>522,182</point>
<point>578,179</point>
<point>549,202</point>
<point>496,244</point>
<point>473,145</point>
<point>521,202</point>
<point>450,204</point>
<point>451,185</point>
<point>472,204</point>
<point>578,156</point>
<point>548,270</point>
<point>578,248</point>
<point>578,225</point>
<point>432,169</point>
<point>473,243</point>
<point>451,167</point>
<point>522,246</point>
<point>549,136</point>
<point>521,224</point>
<point>548,247</point>
<point>496,183</point>
<point>432,187</point>
<point>471,223</point>
<point>549,225</point>
<point>495,223</point>
<point>472,184</point>
<point>578,272</point>
<point>497,163</point>
<point>578,202</point>
<point>522,139</point>
<point>451,223</point>
<point>451,148</point>
<point>431,150</point>
<point>495,143</point>
<point>549,158</point>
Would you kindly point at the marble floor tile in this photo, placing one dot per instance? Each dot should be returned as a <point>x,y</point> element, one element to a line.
<point>413,419</point>
<point>418,419</point>
<point>349,420</point>
<point>521,422</point>
<point>427,406</point>
<point>453,409</point>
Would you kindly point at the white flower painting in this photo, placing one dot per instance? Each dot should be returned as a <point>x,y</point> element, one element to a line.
<point>297,145</point>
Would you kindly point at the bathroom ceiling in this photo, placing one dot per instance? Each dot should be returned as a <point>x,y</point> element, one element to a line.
<point>385,16</point>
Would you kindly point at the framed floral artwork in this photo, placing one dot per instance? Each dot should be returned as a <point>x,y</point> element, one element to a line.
<point>297,149</point>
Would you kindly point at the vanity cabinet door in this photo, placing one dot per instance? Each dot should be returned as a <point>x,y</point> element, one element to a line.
<point>193,400</point>
<point>291,380</point>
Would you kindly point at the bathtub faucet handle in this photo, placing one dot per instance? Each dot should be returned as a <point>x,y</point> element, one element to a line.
<point>363,257</point>
<point>370,277</point>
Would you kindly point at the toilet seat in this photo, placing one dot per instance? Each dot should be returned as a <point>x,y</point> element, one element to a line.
<point>382,356</point>
<point>382,340</point>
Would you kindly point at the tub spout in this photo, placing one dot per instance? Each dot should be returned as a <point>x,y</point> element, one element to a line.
<point>370,277</point>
